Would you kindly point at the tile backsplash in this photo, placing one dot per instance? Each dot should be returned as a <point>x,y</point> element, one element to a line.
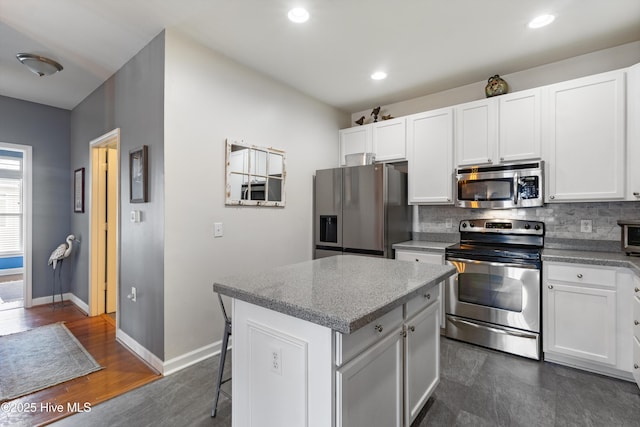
<point>562,220</point>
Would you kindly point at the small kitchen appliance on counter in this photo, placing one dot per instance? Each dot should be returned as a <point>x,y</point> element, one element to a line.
<point>630,236</point>
<point>495,299</point>
<point>360,210</point>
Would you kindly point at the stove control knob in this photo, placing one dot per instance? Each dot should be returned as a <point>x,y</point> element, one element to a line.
<point>537,227</point>
<point>464,225</point>
<point>472,224</point>
<point>527,226</point>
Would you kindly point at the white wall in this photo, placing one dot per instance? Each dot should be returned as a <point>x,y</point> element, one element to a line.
<point>579,66</point>
<point>209,98</point>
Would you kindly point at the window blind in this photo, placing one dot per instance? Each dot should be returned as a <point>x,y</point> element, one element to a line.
<point>10,216</point>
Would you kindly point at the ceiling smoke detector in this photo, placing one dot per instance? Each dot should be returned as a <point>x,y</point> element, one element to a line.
<point>39,64</point>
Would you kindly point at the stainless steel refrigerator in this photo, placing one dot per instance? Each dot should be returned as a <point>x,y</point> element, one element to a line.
<point>360,210</point>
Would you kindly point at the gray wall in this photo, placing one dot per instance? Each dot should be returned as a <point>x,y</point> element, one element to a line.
<point>46,129</point>
<point>132,100</point>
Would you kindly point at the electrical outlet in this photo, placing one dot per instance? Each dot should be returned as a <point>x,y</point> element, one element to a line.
<point>449,223</point>
<point>275,364</point>
<point>586,226</point>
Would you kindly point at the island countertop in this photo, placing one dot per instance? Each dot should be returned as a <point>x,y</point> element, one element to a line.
<point>343,293</point>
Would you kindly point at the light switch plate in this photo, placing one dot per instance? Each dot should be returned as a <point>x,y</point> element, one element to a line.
<point>217,229</point>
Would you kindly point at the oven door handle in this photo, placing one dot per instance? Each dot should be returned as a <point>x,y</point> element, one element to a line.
<point>494,264</point>
<point>496,330</point>
<point>515,189</point>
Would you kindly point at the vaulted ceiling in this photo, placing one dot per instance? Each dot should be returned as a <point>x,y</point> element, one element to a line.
<point>424,46</point>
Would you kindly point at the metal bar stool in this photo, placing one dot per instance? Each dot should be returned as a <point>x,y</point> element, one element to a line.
<point>223,356</point>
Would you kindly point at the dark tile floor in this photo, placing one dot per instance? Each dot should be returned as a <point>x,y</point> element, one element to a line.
<point>478,387</point>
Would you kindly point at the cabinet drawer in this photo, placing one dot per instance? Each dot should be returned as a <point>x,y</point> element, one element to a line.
<point>426,257</point>
<point>349,345</point>
<point>636,318</point>
<point>422,301</point>
<point>636,360</point>
<point>581,274</point>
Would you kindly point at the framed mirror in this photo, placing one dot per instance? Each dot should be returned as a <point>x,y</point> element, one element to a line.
<point>255,175</point>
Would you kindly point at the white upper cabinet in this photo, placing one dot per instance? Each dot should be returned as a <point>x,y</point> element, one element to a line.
<point>389,141</point>
<point>502,129</point>
<point>584,128</point>
<point>476,132</point>
<point>633,133</point>
<point>355,140</point>
<point>519,126</point>
<point>430,157</point>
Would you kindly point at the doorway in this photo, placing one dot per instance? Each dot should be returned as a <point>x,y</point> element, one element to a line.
<point>15,225</point>
<point>104,227</point>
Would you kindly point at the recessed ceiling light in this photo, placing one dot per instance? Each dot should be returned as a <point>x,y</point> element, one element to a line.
<point>379,75</point>
<point>298,15</point>
<point>541,21</point>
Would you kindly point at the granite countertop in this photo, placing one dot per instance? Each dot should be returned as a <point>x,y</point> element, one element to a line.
<point>343,293</point>
<point>422,245</point>
<point>612,259</point>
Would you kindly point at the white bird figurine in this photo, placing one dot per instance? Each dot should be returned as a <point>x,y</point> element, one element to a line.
<point>62,251</point>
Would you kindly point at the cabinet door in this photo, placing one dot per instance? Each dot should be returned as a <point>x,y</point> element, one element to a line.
<point>389,140</point>
<point>422,360</point>
<point>430,156</point>
<point>580,322</point>
<point>520,126</point>
<point>633,133</point>
<point>355,140</point>
<point>586,138</point>
<point>369,388</point>
<point>476,132</point>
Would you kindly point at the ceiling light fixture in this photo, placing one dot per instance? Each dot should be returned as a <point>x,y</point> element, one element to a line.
<point>39,64</point>
<point>379,75</point>
<point>541,21</point>
<point>298,15</point>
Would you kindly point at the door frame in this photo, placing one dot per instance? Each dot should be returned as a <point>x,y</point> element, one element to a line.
<point>27,216</point>
<point>109,139</point>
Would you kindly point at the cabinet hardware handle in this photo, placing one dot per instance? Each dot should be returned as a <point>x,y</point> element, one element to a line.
<point>502,159</point>
<point>637,290</point>
<point>378,328</point>
<point>448,199</point>
<point>579,275</point>
<point>552,197</point>
<point>635,193</point>
<point>550,286</point>
<point>417,260</point>
<point>403,334</point>
<point>489,160</point>
<point>412,328</point>
<point>635,322</point>
<point>635,366</point>
<point>428,296</point>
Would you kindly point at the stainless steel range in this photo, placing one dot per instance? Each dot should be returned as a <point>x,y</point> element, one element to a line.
<point>494,300</point>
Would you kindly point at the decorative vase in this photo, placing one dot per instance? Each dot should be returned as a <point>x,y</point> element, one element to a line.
<point>496,86</point>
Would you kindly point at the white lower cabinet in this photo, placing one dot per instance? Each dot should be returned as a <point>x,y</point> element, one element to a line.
<point>636,331</point>
<point>429,258</point>
<point>587,317</point>
<point>422,360</point>
<point>388,382</point>
<point>369,388</point>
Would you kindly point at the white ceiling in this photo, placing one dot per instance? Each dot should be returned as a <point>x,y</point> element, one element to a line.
<point>425,46</point>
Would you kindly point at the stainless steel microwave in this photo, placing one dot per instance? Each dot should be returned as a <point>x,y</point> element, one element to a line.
<point>507,186</point>
<point>630,238</point>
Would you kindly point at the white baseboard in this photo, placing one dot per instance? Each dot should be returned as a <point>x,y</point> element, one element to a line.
<point>68,296</point>
<point>176,364</point>
<point>11,271</point>
<point>151,359</point>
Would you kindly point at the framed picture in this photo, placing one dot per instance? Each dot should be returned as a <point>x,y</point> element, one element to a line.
<point>78,190</point>
<point>138,175</point>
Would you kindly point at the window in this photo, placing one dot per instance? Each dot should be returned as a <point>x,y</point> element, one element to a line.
<point>10,203</point>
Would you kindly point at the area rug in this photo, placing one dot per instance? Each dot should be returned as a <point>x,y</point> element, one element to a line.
<point>11,291</point>
<point>39,358</point>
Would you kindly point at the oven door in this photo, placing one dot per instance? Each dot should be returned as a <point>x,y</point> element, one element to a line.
<point>493,292</point>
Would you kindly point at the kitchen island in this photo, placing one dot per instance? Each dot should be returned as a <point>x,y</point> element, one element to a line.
<point>344,340</point>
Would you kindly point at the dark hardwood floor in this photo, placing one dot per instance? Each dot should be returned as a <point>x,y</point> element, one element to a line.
<point>123,371</point>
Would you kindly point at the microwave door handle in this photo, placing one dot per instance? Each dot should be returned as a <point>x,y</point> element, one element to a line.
<point>515,189</point>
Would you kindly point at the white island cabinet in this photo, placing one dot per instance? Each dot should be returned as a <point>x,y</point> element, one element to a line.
<point>339,341</point>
